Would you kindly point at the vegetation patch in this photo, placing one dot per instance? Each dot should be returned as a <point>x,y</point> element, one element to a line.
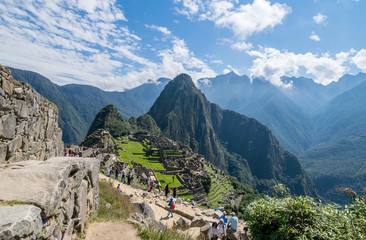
<point>168,179</point>
<point>303,218</point>
<point>120,205</point>
<point>166,234</point>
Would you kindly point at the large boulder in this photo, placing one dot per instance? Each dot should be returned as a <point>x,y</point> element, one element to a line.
<point>145,209</point>
<point>182,224</point>
<point>65,187</point>
<point>198,222</point>
<point>20,222</point>
<point>209,212</point>
<point>217,214</point>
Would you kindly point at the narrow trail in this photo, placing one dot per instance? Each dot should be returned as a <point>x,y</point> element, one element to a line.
<point>158,203</point>
<point>111,231</point>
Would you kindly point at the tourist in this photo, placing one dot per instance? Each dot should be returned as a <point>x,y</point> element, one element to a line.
<point>117,174</point>
<point>246,234</point>
<point>70,152</point>
<point>108,173</point>
<point>213,232</point>
<point>151,186</point>
<point>166,190</point>
<point>173,178</point>
<point>123,174</point>
<point>129,179</point>
<point>103,171</point>
<point>222,229</point>
<point>119,188</point>
<point>174,192</point>
<point>232,225</point>
<point>171,207</point>
<point>223,217</point>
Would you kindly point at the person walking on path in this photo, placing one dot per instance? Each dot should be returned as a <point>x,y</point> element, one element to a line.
<point>123,176</point>
<point>174,192</point>
<point>232,224</point>
<point>117,174</point>
<point>171,207</point>
<point>166,190</point>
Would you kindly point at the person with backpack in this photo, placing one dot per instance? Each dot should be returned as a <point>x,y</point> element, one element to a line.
<point>171,207</point>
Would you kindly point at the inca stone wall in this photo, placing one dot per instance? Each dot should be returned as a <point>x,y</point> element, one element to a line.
<point>28,123</point>
<point>56,197</point>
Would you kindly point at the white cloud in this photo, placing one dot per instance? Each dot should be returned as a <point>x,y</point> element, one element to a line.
<point>242,20</point>
<point>273,64</point>
<point>320,18</point>
<point>230,69</point>
<point>314,37</point>
<point>87,42</point>
<point>163,30</point>
<point>360,60</point>
<point>242,46</point>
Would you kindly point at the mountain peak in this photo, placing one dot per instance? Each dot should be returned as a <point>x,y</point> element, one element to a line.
<point>183,79</point>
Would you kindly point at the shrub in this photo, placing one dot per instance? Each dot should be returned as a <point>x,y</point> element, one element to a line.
<point>166,234</point>
<point>304,218</point>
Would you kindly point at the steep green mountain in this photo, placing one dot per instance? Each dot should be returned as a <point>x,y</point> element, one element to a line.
<point>78,104</point>
<point>341,164</point>
<point>343,116</point>
<point>108,118</point>
<point>227,139</point>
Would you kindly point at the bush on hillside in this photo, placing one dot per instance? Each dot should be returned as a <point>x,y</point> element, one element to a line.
<point>304,218</point>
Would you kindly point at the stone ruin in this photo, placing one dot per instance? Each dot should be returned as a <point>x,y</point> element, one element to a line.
<point>187,166</point>
<point>28,123</point>
<point>41,196</point>
<point>52,198</point>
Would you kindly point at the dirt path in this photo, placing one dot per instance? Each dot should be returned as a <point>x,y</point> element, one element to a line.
<point>111,231</point>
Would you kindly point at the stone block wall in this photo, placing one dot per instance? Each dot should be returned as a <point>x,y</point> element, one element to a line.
<point>56,197</point>
<point>28,123</point>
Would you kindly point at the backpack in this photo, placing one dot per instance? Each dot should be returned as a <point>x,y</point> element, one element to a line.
<point>173,206</point>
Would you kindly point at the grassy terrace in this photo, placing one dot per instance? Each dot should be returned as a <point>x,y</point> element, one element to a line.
<point>134,151</point>
<point>220,186</point>
<point>167,179</point>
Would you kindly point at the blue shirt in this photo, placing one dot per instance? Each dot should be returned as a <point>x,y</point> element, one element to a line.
<point>223,218</point>
<point>233,222</point>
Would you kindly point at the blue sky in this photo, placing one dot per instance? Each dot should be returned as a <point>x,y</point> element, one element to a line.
<point>117,45</point>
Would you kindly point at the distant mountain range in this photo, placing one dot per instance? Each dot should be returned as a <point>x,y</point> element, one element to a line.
<point>78,104</point>
<point>308,119</point>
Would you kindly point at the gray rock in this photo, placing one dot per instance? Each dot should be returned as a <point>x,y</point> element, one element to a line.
<point>217,214</point>
<point>108,205</point>
<point>3,151</point>
<point>182,223</point>
<point>145,209</point>
<point>7,126</point>
<point>204,229</point>
<point>209,212</point>
<point>20,222</point>
<point>198,222</point>
<point>198,214</point>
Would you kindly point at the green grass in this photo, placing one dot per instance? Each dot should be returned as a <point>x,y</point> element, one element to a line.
<point>167,234</point>
<point>121,206</point>
<point>219,189</point>
<point>167,178</point>
<point>134,151</point>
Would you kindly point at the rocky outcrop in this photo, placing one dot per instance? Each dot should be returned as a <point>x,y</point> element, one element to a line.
<point>28,123</point>
<point>63,190</point>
